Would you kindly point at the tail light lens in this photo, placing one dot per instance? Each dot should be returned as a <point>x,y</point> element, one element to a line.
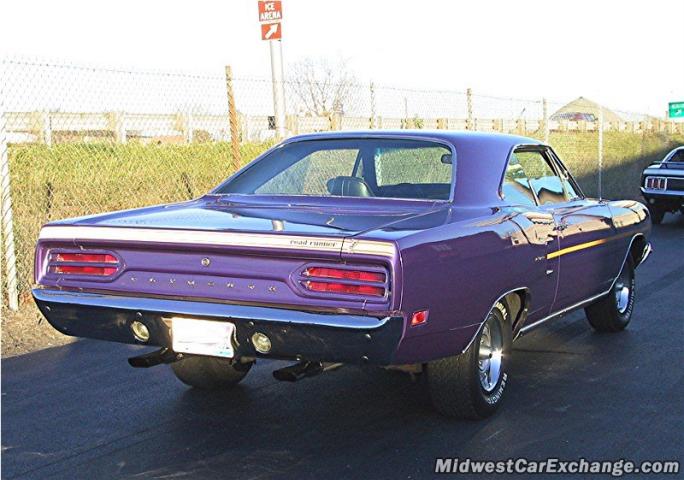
<point>323,272</point>
<point>346,281</point>
<point>89,264</point>
<point>656,183</point>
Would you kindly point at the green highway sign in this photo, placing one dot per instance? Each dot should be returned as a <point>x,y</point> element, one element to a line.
<point>676,110</point>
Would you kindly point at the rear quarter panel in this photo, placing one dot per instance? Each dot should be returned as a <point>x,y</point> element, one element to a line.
<point>458,271</point>
<point>631,220</point>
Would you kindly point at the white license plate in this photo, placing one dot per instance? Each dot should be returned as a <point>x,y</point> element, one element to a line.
<point>202,337</point>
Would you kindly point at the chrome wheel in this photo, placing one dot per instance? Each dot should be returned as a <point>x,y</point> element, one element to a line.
<point>490,355</point>
<point>623,291</point>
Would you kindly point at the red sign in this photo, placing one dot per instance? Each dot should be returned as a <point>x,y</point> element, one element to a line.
<point>270,11</point>
<point>271,31</point>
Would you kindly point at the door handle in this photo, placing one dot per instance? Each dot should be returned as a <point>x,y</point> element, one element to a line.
<point>539,218</point>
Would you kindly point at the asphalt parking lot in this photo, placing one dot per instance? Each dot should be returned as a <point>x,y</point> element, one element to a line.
<point>79,411</point>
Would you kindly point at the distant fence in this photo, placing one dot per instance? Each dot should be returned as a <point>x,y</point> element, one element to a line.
<point>121,127</point>
<point>79,140</point>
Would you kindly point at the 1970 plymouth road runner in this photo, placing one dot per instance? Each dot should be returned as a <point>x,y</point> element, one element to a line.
<point>662,185</point>
<point>425,251</point>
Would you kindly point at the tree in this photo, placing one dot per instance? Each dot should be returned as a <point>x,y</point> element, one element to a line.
<point>321,88</point>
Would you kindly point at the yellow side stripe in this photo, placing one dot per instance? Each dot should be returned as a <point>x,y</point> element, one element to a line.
<point>575,248</point>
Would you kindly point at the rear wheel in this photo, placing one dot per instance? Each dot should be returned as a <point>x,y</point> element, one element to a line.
<point>209,373</point>
<point>613,312</point>
<point>471,385</point>
<point>657,214</point>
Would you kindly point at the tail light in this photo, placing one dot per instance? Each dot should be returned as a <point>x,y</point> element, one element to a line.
<point>371,283</point>
<point>89,264</point>
<point>656,183</point>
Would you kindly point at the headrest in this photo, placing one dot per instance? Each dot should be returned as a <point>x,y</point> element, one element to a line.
<point>349,187</point>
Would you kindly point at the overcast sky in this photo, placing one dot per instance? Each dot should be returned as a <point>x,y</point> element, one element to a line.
<point>627,55</point>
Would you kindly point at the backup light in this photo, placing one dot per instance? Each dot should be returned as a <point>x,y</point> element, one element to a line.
<point>261,342</point>
<point>140,331</point>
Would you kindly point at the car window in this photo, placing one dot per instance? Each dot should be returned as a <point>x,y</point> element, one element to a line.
<point>547,186</point>
<point>572,191</point>
<point>516,186</point>
<point>394,166</point>
<point>678,157</point>
<point>350,167</point>
<point>310,175</point>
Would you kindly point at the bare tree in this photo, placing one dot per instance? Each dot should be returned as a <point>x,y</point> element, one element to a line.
<point>321,88</point>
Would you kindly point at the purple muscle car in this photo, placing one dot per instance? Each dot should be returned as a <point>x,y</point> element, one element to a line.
<point>424,251</point>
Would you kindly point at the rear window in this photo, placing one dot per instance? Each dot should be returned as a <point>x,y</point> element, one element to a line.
<point>677,157</point>
<point>378,167</point>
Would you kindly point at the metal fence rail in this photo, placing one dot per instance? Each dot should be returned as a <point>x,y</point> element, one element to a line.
<point>78,140</point>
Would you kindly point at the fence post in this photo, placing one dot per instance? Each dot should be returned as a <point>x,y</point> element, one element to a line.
<point>188,128</point>
<point>372,106</point>
<point>600,153</point>
<point>233,120</point>
<point>117,126</point>
<point>45,128</point>
<point>545,110</point>
<point>7,223</point>
<point>469,106</point>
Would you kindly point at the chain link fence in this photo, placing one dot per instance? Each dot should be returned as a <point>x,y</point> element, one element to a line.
<point>77,140</point>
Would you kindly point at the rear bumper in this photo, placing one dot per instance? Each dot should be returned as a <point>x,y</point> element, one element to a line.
<point>294,334</point>
<point>670,197</point>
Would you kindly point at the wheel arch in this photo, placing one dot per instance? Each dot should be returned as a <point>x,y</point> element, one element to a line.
<point>637,249</point>
<point>517,301</point>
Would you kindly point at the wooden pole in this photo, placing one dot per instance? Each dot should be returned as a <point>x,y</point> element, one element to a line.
<point>372,105</point>
<point>233,120</point>
<point>546,121</point>
<point>600,152</point>
<point>469,106</point>
<point>7,222</point>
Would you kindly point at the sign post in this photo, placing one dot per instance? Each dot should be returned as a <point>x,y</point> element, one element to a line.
<point>270,16</point>
<point>676,110</point>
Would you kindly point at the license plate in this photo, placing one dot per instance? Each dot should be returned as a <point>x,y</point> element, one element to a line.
<point>202,337</point>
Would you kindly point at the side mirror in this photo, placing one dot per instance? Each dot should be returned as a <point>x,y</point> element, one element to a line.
<point>446,159</point>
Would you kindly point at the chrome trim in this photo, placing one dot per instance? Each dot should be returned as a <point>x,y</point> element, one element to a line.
<point>580,304</point>
<point>648,250</point>
<point>487,314</point>
<point>168,307</point>
<point>650,191</point>
<point>73,233</point>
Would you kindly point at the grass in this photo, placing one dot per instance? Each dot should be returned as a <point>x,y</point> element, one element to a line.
<point>68,180</point>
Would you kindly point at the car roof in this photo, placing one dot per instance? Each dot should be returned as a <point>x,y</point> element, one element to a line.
<point>480,156</point>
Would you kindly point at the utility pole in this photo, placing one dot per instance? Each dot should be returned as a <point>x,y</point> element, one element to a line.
<point>270,17</point>
<point>276,47</point>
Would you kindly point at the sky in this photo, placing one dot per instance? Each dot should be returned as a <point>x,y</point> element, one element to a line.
<point>625,54</point>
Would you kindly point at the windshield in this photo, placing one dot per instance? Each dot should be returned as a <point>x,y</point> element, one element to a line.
<point>377,167</point>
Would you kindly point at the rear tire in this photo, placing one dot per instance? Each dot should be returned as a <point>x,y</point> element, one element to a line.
<point>657,214</point>
<point>613,312</point>
<point>209,373</point>
<point>471,385</point>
